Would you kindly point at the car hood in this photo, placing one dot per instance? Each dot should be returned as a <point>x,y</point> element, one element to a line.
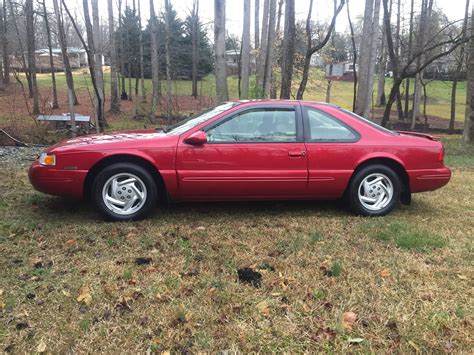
<point>111,140</point>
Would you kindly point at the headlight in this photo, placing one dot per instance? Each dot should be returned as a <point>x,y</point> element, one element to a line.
<point>47,159</point>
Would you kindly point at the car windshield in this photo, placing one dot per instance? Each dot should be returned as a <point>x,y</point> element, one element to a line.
<point>188,123</point>
<point>369,122</point>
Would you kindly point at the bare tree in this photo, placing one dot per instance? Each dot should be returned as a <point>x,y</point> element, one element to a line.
<point>268,79</point>
<point>95,49</point>
<point>458,71</point>
<point>62,43</point>
<point>155,70</point>
<point>195,33</point>
<point>114,70</point>
<point>425,16</point>
<point>410,50</point>
<point>5,46</point>
<point>30,34</point>
<point>435,49</point>
<point>140,43</point>
<point>123,95</point>
<point>90,50</point>
<point>262,52</point>
<point>21,55</point>
<point>468,134</point>
<point>367,58</point>
<point>245,53</point>
<point>312,48</point>
<point>257,24</point>
<point>288,50</point>
<point>51,58</point>
<point>354,56</point>
<point>169,106</point>
<point>219,43</point>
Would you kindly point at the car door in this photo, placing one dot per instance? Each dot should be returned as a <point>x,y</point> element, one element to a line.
<point>331,148</point>
<point>256,152</point>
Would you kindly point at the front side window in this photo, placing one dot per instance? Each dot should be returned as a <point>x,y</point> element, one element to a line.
<point>257,125</point>
<point>324,128</point>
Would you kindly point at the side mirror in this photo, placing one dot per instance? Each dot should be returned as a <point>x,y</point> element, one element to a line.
<point>197,138</point>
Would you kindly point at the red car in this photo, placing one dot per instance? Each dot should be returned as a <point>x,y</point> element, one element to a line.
<point>249,150</point>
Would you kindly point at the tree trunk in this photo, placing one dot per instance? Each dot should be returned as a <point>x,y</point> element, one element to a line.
<point>123,95</point>
<point>245,54</point>
<point>51,60</point>
<point>169,107</point>
<point>219,43</point>
<point>268,78</point>
<point>21,56</point>
<point>90,50</point>
<point>5,47</point>
<point>114,70</point>
<point>142,66</point>
<point>410,50</point>
<point>62,43</point>
<point>262,52</point>
<point>257,24</point>
<point>373,54</point>
<point>424,28</point>
<point>288,50</point>
<point>155,69</point>
<point>468,134</point>
<point>30,34</point>
<point>99,75</point>
<point>195,33</point>
<point>367,58</point>
<point>380,101</point>
<point>354,57</point>
<point>307,59</point>
<point>458,71</point>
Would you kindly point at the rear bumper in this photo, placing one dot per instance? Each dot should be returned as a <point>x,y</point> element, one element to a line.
<point>66,183</point>
<point>428,179</point>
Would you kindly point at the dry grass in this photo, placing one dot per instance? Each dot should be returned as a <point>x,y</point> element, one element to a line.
<point>410,293</point>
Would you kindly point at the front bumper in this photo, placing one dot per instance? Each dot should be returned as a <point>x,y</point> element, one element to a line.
<point>428,179</point>
<point>57,182</point>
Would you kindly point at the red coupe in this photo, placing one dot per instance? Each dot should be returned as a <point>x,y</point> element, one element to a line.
<point>248,150</point>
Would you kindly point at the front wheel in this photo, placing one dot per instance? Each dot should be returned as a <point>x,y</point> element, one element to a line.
<point>124,191</point>
<point>374,191</point>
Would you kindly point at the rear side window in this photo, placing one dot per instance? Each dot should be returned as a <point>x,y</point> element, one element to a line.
<point>325,128</point>
<point>257,125</point>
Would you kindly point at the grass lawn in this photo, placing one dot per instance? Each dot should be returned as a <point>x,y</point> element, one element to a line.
<point>70,282</point>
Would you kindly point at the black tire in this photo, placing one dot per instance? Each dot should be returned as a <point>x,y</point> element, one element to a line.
<point>146,179</point>
<point>356,204</point>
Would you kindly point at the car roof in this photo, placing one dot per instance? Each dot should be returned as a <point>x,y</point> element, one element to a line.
<point>276,101</point>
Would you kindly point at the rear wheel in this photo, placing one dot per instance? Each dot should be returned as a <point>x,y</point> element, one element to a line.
<point>124,191</point>
<point>374,191</point>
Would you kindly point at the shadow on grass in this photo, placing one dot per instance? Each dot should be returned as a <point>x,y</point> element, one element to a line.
<point>84,210</point>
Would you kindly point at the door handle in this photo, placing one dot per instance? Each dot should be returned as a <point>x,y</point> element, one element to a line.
<point>297,154</point>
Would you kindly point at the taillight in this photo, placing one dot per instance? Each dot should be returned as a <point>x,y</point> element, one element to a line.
<point>441,154</point>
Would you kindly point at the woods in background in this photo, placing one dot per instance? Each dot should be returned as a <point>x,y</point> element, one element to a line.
<point>405,40</point>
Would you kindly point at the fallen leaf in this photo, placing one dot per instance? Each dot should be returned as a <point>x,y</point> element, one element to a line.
<point>385,273</point>
<point>155,340</point>
<point>1,291</point>
<point>463,277</point>
<point>41,347</point>
<point>132,282</point>
<point>70,242</point>
<point>201,228</point>
<point>263,308</point>
<point>2,306</point>
<point>355,340</point>
<point>84,295</point>
<point>66,293</point>
<point>348,319</point>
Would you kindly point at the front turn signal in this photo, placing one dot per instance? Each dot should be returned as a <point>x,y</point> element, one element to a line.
<point>47,159</point>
